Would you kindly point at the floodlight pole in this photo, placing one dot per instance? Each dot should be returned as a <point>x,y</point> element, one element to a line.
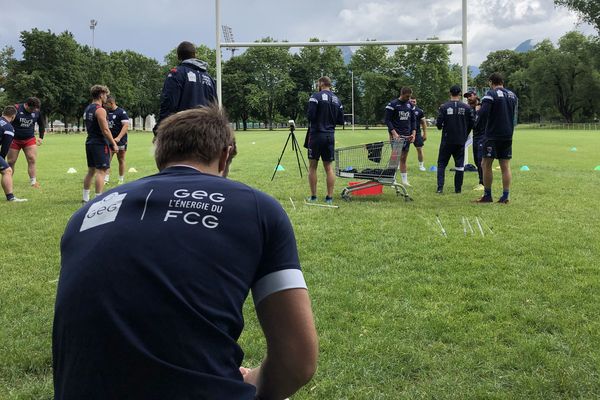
<point>465,66</point>
<point>93,24</point>
<point>218,51</point>
<point>352,77</point>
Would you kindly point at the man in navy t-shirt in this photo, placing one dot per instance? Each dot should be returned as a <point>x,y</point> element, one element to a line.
<point>160,318</point>
<point>187,85</point>
<point>7,133</point>
<point>401,123</point>
<point>497,118</point>
<point>118,123</point>
<point>325,111</point>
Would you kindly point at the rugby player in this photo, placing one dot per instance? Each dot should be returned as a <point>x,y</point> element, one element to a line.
<point>497,119</point>
<point>325,111</point>
<point>161,317</point>
<point>455,120</point>
<point>118,123</point>
<point>187,85</point>
<point>7,133</point>
<point>99,141</point>
<point>421,136</point>
<point>28,114</point>
<point>475,104</point>
<point>401,122</point>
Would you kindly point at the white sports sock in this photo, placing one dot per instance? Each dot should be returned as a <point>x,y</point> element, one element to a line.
<point>404,176</point>
<point>106,178</point>
<point>86,195</point>
<point>32,181</point>
<point>121,178</point>
<point>420,163</point>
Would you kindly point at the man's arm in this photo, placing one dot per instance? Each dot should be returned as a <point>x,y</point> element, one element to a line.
<point>424,128</point>
<point>389,114</point>
<point>171,93</point>
<point>482,115</point>
<point>42,128</point>
<point>124,128</point>
<point>292,345</point>
<point>101,116</point>
<point>311,114</point>
<point>440,119</point>
<point>340,116</point>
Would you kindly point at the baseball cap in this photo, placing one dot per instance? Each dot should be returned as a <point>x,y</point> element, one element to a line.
<point>469,93</point>
<point>455,90</point>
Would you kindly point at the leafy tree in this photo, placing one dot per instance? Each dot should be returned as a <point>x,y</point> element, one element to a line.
<point>270,80</point>
<point>588,10</point>
<point>203,53</point>
<point>505,62</point>
<point>237,78</point>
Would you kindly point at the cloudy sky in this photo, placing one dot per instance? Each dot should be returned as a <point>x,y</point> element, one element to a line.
<point>155,27</point>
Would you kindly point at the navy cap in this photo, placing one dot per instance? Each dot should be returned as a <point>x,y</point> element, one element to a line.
<point>469,93</point>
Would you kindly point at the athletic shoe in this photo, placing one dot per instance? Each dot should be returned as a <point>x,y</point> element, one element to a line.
<point>17,200</point>
<point>311,199</point>
<point>479,188</point>
<point>422,168</point>
<point>406,184</point>
<point>329,202</point>
<point>502,200</point>
<point>35,185</point>
<point>440,191</point>
<point>457,191</point>
<point>484,199</point>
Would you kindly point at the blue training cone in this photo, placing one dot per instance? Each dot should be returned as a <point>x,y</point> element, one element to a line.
<point>524,168</point>
<point>433,168</point>
<point>280,168</point>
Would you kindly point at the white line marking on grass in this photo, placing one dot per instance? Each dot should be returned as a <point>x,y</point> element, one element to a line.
<point>292,201</point>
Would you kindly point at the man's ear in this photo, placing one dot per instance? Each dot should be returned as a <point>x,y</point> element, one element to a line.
<point>223,158</point>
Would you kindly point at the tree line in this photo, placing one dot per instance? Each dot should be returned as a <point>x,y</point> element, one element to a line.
<point>272,84</point>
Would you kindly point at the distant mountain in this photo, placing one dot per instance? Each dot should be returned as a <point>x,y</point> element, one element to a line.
<point>525,46</point>
<point>473,71</point>
<point>346,53</point>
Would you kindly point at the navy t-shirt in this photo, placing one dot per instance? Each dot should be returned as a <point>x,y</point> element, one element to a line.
<point>497,114</point>
<point>399,115</point>
<point>116,119</point>
<point>455,119</point>
<point>94,133</point>
<point>154,275</point>
<point>325,111</point>
<point>24,123</point>
<point>419,115</point>
<point>7,133</point>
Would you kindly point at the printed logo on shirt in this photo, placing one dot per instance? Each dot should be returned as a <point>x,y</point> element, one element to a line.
<point>196,207</point>
<point>324,97</point>
<point>404,115</point>
<point>500,93</point>
<point>450,111</point>
<point>461,111</point>
<point>191,77</point>
<point>103,212</point>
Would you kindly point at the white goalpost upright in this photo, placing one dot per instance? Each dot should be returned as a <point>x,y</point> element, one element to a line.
<point>220,45</point>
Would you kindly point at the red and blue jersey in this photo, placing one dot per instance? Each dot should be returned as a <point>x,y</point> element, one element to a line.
<point>325,111</point>
<point>24,123</point>
<point>116,119</point>
<point>7,134</point>
<point>94,133</point>
<point>400,116</point>
<point>160,318</point>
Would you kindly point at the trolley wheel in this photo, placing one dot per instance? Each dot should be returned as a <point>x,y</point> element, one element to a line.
<point>408,198</point>
<point>346,195</point>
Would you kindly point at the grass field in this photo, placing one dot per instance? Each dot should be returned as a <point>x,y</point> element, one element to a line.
<point>401,311</point>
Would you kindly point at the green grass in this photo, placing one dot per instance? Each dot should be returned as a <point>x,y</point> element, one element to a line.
<point>401,311</point>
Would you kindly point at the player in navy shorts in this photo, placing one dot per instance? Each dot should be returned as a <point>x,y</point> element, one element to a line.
<point>7,133</point>
<point>160,317</point>
<point>401,123</point>
<point>325,111</point>
<point>99,142</point>
<point>118,123</point>
<point>497,118</point>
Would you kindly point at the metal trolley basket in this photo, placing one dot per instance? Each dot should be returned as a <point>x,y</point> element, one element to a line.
<point>376,162</point>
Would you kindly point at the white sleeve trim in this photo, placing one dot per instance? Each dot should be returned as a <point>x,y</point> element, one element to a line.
<point>313,100</point>
<point>389,107</point>
<point>125,121</point>
<point>486,97</point>
<point>276,282</point>
<point>9,133</point>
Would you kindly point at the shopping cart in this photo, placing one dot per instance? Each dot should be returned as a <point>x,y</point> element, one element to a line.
<point>377,163</point>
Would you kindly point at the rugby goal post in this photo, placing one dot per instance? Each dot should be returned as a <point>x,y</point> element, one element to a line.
<point>230,45</point>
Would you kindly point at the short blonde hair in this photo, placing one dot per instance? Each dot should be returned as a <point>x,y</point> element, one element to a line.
<point>97,90</point>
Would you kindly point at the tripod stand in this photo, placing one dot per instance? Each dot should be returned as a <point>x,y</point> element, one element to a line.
<point>296,148</point>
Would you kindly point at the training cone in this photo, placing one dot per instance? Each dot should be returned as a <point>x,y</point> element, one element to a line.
<point>573,149</point>
<point>597,168</point>
<point>132,170</point>
<point>433,168</point>
<point>71,171</point>
<point>524,168</point>
<point>253,142</point>
<point>280,168</point>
